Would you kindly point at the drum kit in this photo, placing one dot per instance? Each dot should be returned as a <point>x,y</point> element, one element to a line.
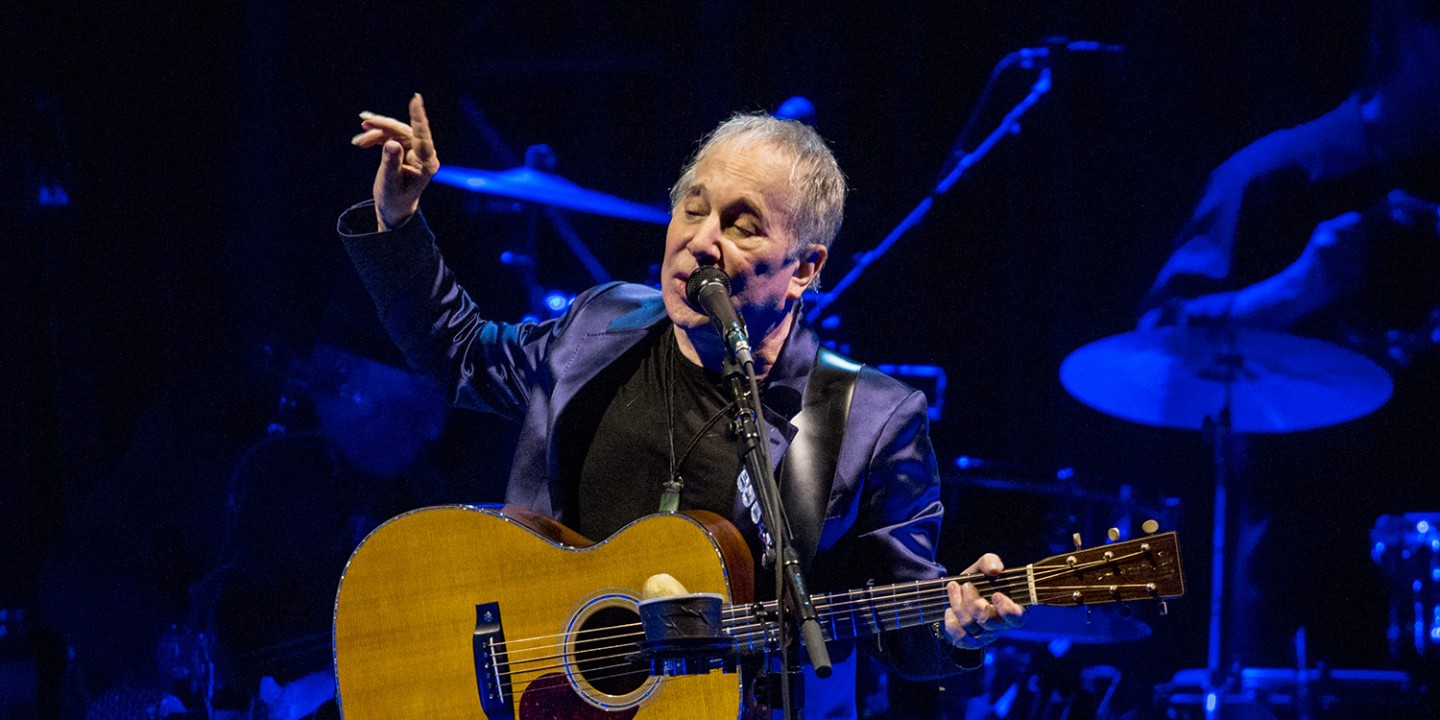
<point>1217,380</point>
<point>1220,380</point>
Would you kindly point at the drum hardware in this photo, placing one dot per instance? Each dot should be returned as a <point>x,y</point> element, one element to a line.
<point>1074,505</point>
<point>531,185</point>
<point>1269,382</point>
<point>1222,381</point>
<point>1318,692</point>
<point>1407,549</point>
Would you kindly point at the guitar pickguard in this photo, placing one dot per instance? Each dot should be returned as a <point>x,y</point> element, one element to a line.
<point>550,697</point>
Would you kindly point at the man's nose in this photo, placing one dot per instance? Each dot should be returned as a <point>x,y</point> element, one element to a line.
<point>704,245</point>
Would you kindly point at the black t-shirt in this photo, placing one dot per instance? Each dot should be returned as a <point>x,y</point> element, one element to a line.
<point>630,421</point>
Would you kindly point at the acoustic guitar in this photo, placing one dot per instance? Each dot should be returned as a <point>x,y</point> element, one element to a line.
<point>463,612</point>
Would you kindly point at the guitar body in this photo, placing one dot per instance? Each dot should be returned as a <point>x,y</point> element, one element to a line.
<point>458,612</point>
<point>438,605</point>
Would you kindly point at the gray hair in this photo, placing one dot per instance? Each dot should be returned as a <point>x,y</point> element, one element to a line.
<point>814,175</point>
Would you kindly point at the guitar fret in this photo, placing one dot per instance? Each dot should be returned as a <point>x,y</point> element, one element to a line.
<point>920,606</point>
<point>899,608</point>
<point>854,626</point>
<point>875,625</point>
<point>902,605</point>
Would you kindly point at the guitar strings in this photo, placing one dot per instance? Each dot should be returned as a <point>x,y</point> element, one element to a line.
<point>870,602</point>
<point>627,667</point>
<point>887,603</point>
<point>630,667</point>
<point>896,603</point>
<point>739,610</point>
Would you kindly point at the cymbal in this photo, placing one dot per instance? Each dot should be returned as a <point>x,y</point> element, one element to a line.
<point>1044,623</point>
<point>1177,377</point>
<point>523,183</point>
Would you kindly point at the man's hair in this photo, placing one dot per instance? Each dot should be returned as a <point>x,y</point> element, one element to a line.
<point>814,175</point>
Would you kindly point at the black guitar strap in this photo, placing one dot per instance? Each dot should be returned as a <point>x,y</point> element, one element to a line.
<point>808,470</point>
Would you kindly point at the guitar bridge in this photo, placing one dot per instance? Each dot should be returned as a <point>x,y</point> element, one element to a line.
<point>492,667</point>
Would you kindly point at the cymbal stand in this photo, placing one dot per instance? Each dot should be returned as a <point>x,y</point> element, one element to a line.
<point>572,239</point>
<point>1219,429</point>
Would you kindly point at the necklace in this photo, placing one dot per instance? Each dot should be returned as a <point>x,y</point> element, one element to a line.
<point>675,483</point>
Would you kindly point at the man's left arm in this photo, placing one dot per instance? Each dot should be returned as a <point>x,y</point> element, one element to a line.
<point>900,518</point>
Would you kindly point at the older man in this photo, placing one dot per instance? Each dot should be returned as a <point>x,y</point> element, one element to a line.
<point>622,401</point>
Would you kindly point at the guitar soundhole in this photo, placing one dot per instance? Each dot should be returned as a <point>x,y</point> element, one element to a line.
<point>605,640</point>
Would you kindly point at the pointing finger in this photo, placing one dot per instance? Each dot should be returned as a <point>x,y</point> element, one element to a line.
<point>420,125</point>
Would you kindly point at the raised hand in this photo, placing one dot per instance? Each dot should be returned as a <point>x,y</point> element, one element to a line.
<point>407,162</point>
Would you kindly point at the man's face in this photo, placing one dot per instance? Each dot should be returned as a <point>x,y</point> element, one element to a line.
<point>736,216</point>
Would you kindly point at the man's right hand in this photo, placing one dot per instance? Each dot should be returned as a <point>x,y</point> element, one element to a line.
<point>407,162</point>
<point>1327,270</point>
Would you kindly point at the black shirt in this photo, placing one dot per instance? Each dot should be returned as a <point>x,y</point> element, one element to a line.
<point>650,409</point>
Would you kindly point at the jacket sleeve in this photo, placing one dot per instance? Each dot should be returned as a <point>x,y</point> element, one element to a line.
<point>479,363</point>
<point>899,524</point>
<point>1259,206</point>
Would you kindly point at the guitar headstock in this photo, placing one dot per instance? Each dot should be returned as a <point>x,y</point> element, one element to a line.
<point>1146,568</point>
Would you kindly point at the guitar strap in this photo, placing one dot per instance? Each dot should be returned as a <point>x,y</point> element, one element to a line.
<point>808,470</point>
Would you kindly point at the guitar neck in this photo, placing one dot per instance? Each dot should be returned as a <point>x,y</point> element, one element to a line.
<point>1142,569</point>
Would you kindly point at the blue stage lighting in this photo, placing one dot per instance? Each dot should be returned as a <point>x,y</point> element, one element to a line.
<point>557,301</point>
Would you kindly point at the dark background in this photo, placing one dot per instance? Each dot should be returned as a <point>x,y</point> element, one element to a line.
<point>181,334</point>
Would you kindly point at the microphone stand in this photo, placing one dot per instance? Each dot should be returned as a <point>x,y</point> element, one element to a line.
<point>1008,125</point>
<point>739,369</point>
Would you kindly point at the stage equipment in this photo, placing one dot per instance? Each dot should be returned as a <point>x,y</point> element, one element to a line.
<point>1268,382</point>
<point>1407,549</point>
<point>1303,694</point>
<point>708,289</point>
<point>1223,380</point>
<point>962,158</point>
<point>1027,682</point>
<point>532,185</point>
<point>542,159</point>
<point>1070,506</point>
<point>929,379</point>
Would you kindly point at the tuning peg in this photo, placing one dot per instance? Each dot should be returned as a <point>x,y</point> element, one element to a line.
<point>1113,534</point>
<point>1155,593</point>
<point>1150,526</point>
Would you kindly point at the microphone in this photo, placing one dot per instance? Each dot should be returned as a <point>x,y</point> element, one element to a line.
<point>1056,46</point>
<point>708,290</point>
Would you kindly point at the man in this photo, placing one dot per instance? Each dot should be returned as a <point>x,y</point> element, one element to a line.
<point>621,400</point>
<point>1310,218</point>
<point>1326,229</point>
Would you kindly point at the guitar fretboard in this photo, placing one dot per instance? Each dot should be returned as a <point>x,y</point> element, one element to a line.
<point>1142,569</point>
